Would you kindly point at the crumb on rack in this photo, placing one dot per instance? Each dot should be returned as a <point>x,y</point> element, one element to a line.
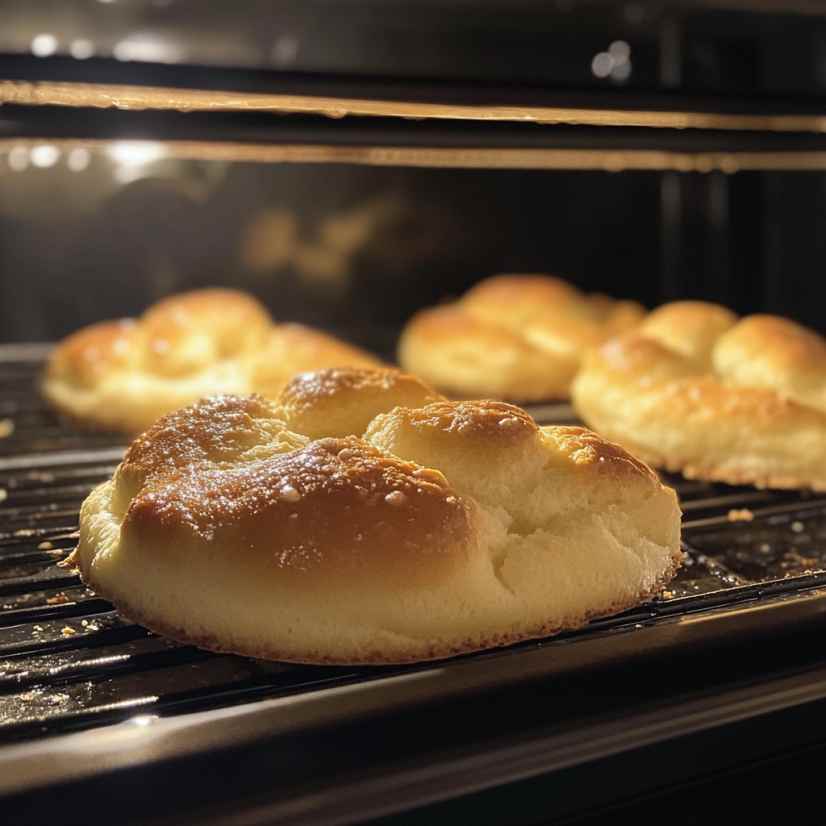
<point>57,599</point>
<point>6,428</point>
<point>4,494</point>
<point>740,515</point>
<point>45,546</point>
<point>68,631</point>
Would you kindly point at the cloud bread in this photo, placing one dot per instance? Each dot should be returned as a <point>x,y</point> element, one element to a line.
<point>697,390</point>
<point>125,374</point>
<point>440,529</point>
<point>516,337</point>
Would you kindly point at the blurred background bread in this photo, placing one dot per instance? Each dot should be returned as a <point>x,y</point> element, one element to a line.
<point>697,390</point>
<point>125,374</point>
<point>515,337</point>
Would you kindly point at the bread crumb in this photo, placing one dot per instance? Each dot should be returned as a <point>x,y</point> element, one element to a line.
<point>68,631</point>
<point>4,494</point>
<point>45,546</point>
<point>741,515</point>
<point>57,599</point>
<point>6,428</point>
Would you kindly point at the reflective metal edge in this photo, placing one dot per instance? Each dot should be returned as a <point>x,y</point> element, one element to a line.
<point>128,745</point>
<point>122,96</point>
<point>604,160</point>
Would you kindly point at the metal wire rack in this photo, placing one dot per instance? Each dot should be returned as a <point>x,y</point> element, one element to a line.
<point>68,661</point>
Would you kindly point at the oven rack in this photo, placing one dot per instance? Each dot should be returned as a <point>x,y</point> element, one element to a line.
<point>69,662</point>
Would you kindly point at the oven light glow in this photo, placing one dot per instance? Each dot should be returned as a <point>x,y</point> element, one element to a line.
<point>147,49</point>
<point>18,158</point>
<point>143,720</point>
<point>602,65</point>
<point>284,50</point>
<point>44,45</point>
<point>622,72</point>
<point>614,63</point>
<point>81,49</point>
<point>620,51</point>
<point>78,159</point>
<point>45,155</point>
<point>136,153</point>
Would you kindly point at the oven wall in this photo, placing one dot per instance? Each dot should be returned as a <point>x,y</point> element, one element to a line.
<point>91,235</point>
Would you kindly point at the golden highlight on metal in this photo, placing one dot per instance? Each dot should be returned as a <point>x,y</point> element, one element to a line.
<point>149,97</point>
<point>626,160</point>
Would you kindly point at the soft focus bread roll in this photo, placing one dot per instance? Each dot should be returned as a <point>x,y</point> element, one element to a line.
<point>698,391</point>
<point>440,530</point>
<point>125,374</point>
<point>295,348</point>
<point>517,337</point>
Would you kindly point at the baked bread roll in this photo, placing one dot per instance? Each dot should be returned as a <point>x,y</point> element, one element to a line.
<point>516,337</point>
<point>699,391</point>
<point>124,374</point>
<point>440,530</point>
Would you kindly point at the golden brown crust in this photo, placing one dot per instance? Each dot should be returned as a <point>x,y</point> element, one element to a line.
<point>344,400</point>
<point>720,399</point>
<point>184,331</point>
<point>688,328</point>
<point>512,336</point>
<point>587,449</point>
<point>218,430</point>
<point>521,295</point>
<point>335,508</point>
<point>125,374</point>
<point>456,341</point>
<point>445,529</point>
<point>486,422</point>
<point>87,355</point>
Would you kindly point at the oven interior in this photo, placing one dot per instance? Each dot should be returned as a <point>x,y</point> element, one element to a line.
<point>352,222</point>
